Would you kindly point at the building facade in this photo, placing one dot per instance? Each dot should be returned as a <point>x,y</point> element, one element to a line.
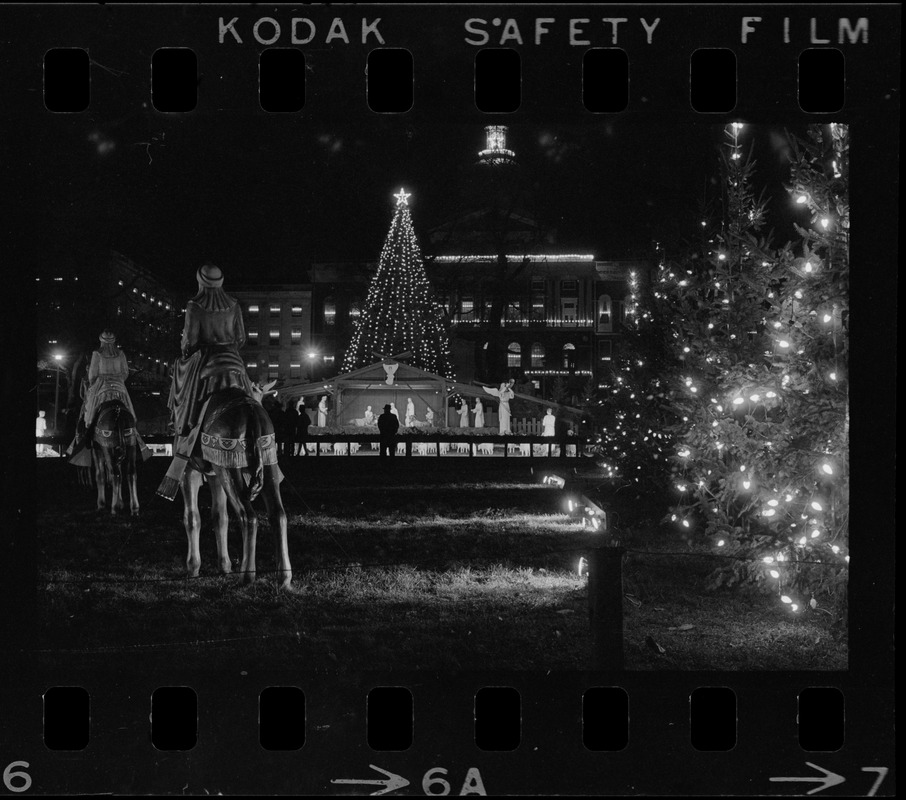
<point>559,316</point>
<point>516,303</point>
<point>103,290</point>
<point>278,327</point>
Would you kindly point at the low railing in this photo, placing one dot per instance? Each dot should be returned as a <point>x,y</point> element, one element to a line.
<point>438,445</point>
<point>348,444</point>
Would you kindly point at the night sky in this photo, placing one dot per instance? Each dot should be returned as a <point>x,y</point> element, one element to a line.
<point>263,197</point>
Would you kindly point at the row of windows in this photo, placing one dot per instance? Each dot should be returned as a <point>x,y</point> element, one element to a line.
<point>295,336</point>
<point>274,309</point>
<point>257,369</point>
<point>537,354</point>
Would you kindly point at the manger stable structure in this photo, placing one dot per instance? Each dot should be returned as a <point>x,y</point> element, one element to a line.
<point>394,382</point>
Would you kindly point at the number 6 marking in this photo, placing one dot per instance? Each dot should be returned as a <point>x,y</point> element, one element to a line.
<point>10,774</point>
<point>882,773</point>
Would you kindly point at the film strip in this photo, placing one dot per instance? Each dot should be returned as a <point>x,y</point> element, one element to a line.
<point>453,625</point>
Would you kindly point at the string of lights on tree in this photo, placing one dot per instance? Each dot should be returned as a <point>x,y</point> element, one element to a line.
<point>399,313</point>
<point>759,390</point>
<point>630,412</point>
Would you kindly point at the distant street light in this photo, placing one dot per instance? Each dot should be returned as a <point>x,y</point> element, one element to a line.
<point>56,399</point>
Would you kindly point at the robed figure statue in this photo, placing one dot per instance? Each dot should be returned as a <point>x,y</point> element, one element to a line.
<point>505,393</point>
<point>211,339</point>
<point>107,375</point>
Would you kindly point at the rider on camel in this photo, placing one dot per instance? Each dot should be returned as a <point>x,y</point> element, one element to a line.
<point>211,361</point>
<point>107,376</point>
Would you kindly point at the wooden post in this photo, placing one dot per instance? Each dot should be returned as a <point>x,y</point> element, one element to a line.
<point>605,607</point>
<point>408,446</point>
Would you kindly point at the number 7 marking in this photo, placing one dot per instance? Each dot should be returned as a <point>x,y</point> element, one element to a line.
<point>882,773</point>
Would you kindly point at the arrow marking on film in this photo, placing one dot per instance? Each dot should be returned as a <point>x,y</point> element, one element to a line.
<point>391,784</point>
<point>829,779</point>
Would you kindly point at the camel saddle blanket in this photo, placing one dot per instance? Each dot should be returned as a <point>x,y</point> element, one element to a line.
<point>233,452</point>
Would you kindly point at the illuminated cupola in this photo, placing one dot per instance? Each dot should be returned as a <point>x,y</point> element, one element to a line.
<point>496,152</point>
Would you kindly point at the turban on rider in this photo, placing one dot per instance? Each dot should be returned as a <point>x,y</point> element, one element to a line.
<point>211,296</point>
<point>108,346</point>
<point>209,276</point>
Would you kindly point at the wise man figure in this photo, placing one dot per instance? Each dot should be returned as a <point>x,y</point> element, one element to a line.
<point>505,393</point>
<point>478,410</point>
<point>211,339</point>
<point>107,375</point>
<point>410,412</point>
<point>549,423</point>
<point>40,430</point>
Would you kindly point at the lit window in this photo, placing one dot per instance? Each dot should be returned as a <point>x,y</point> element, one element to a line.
<point>275,309</point>
<point>330,311</point>
<point>275,336</point>
<point>297,311</point>
<point>569,288</point>
<point>569,356</point>
<point>354,310</point>
<point>605,317</point>
<point>537,355</point>
<point>466,307</point>
<point>253,333</point>
<point>253,309</point>
<point>514,355</point>
<point>295,370</point>
<point>296,335</point>
<point>605,350</point>
<point>328,359</point>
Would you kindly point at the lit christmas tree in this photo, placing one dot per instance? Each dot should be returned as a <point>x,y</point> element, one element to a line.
<point>630,409</point>
<point>400,314</point>
<point>761,440</point>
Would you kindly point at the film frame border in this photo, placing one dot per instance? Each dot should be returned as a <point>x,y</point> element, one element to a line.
<point>872,72</point>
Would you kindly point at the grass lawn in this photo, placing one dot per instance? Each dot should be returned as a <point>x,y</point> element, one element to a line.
<point>423,566</point>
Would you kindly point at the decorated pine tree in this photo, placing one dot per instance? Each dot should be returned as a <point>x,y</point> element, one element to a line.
<point>400,314</point>
<point>760,395</point>
<point>630,408</point>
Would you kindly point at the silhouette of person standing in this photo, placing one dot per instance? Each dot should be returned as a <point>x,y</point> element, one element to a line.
<point>388,425</point>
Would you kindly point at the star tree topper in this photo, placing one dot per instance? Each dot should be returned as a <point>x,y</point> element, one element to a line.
<point>402,197</point>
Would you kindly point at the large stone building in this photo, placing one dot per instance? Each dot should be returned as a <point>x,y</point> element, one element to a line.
<point>517,303</point>
<point>278,327</point>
